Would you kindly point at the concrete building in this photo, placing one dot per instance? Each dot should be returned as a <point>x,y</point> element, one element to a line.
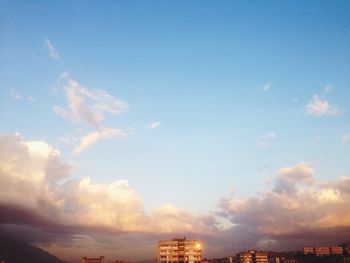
<point>92,260</point>
<point>179,250</point>
<point>324,251</point>
<point>252,256</point>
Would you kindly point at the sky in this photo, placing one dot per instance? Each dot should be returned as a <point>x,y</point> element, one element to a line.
<point>126,122</point>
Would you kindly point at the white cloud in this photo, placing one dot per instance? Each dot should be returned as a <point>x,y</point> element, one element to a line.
<point>266,140</point>
<point>266,86</point>
<point>31,99</point>
<point>88,105</point>
<point>14,94</point>
<point>153,125</point>
<point>52,50</point>
<point>345,137</point>
<point>93,137</point>
<point>319,106</point>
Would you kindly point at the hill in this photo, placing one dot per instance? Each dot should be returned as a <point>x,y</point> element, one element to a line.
<point>14,251</point>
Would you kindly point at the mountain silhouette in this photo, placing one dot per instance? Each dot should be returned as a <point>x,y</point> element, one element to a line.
<point>15,251</point>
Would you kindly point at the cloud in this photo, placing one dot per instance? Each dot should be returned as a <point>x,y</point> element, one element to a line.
<point>68,139</point>
<point>88,105</point>
<point>52,50</point>
<point>73,217</point>
<point>266,87</point>
<point>40,202</point>
<point>345,137</point>
<point>14,94</point>
<point>297,210</point>
<point>266,140</point>
<point>31,99</point>
<point>289,177</point>
<point>93,137</point>
<point>153,125</point>
<point>319,106</point>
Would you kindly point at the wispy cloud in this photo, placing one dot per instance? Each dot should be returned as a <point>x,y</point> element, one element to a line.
<point>14,94</point>
<point>266,139</point>
<point>88,105</point>
<point>266,87</point>
<point>93,137</point>
<point>153,125</point>
<point>52,50</point>
<point>319,106</point>
<point>346,137</point>
<point>31,99</point>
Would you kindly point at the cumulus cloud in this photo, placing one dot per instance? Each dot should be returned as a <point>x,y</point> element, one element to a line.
<point>52,50</point>
<point>298,208</point>
<point>319,106</point>
<point>289,177</point>
<point>88,105</point>
<point>37,195</point>
<point>266,139</point>
<point>153,125</point>
<point>93,137</point>
<point>73,217</point>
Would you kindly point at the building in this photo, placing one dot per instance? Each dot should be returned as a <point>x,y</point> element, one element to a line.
<point>220,260</point>
<point>92,260</point>
<point>347,248</point>
<point>324,251</point>
<point>245,257</point>
<point>252,256</point>
<point>309,250</point>
<point>179,250</point>
<point>337,250</point>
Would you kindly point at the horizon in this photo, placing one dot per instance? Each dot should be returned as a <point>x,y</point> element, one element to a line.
<point>127,122</point>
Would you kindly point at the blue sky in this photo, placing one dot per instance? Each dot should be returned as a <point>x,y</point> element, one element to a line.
<point>239,90</point>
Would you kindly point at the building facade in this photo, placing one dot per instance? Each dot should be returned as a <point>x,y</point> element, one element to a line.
<point>92,260</point>
<point>324,251</point>
<point>252,256</point>
<point>179,250</point>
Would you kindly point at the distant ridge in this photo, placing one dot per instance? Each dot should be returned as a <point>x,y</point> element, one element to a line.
<point>14,251</point>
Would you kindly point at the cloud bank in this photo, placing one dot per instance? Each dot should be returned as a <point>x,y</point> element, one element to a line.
<point>37,195</point>
<point>295,211</point>
<point>74,217</point>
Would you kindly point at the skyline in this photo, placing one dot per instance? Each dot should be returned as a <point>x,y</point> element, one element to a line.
<point>135,121</point>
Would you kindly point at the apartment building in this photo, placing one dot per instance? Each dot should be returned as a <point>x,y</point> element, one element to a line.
<point>179,250</point>
<point>324,251</point>
<point>92,260</point>
<point>252,256</point>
